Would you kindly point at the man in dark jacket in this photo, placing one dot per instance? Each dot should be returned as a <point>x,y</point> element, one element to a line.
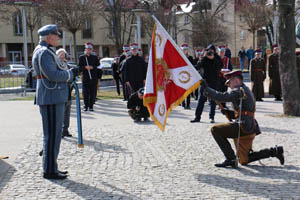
<point>88,64</point>
<point>210,67</point>
<point>116,73</point>
<point>185,48</point>
<point>137,110</point>
<point>239,94</point>
<point>275,85</point>
<point>135,70</point>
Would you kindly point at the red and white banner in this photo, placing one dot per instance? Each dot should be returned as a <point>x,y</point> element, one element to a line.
<point>170,76</point>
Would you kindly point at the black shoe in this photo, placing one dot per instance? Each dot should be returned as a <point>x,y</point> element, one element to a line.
<point>66,134</point>
<point>278,99</point>
<point>41,153</point>
<point>195,120</point>
<point>91,109</point>
<point>137,120</point>
<point>63,172</point>
<point>212,121</point>
<point>278,153</point>
<point>85,109</point>
<point>188,108</point>
<point>228,163</point>
<point>55,176</point>
<point>146,119</point>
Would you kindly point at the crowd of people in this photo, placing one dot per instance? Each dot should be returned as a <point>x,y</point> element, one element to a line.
<point>53,94</point>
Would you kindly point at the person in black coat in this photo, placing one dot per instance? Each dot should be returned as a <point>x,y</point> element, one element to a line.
<point>210,66</point>
<point>135,70</point>
<point>137,110</point>
<point>116,73</point>
<point>88,64</point>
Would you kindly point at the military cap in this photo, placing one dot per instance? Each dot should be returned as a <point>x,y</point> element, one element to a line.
<point>274,46</point>
<point>133,46</point>
<point>141,91</point>
<point>232,74</point>
<point>125,47</point>
<point>211,47</point>
<point>140,51</point>
<point>257,50</point>
<point>88,45</point>
<point>297,51</point>
<point>184,46</point>
<point>48,29</point>
<point>198,51</point>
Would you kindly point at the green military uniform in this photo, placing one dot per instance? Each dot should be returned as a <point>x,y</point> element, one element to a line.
<point>257,76</point>
<point>275,85</point>
<point>248,125</point>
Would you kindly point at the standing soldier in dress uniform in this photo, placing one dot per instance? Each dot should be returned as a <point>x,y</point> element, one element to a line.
<point>243,131</point>
<point>116,73</point>
<point>275,85</point>
<point>88,64</point>
<point>135,70</point>
<point>51,96</point>
<point>126,89</point>
<point>185,48</point>
<point>258,75</point>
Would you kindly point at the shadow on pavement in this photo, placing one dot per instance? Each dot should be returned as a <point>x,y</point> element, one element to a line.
<point>90,192</point>
<point>276,130</point>
<point>6,172</point>
<point>255,188</point>
<point>98,146</point>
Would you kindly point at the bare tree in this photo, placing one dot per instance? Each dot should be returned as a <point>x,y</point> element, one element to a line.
<point>71,14</point>
<point>119,18</point>
<point>256,15</point>
<point>33,15</point>
<point>287,58</point>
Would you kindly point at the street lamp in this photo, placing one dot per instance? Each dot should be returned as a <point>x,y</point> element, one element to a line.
<point>24,3</point>
<point>138,24</point>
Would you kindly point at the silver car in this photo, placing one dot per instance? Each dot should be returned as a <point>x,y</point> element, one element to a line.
<point>13,70</point>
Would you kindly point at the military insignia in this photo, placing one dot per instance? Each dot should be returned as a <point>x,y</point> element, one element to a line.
<point>184,77</point>
<point>162,74</point>
<point>162,110</point>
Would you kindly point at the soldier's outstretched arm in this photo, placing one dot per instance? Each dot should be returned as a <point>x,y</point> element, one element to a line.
<point>49,69</point>
<point>228,96</point>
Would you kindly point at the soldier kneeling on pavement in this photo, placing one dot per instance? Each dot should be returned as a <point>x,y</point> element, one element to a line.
<point>243,102</point>
<point>137,110</point>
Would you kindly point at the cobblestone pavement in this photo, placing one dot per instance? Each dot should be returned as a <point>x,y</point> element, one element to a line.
<point>126,160</point>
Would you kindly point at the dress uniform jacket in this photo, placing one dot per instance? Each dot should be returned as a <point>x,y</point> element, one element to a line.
<point>257,76</point>
<point>248,123</point>
<point>52,87</point>
<point>135,70</point>
<point>275,85</point>
<point>93,61</point>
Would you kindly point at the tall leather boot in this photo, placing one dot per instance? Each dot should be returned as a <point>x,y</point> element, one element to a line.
<point>267,153</point>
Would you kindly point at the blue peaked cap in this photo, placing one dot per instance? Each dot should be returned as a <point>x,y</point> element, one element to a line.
<point>48,29</point>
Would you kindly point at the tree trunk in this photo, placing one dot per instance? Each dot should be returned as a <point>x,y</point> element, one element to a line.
<point>253,39</point>
<point>287,58</point>
<point>32,43</point>
<point>74,46</point>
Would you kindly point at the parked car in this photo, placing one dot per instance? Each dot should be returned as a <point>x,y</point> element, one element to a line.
<point>105,65</point>
<point>14,70</point>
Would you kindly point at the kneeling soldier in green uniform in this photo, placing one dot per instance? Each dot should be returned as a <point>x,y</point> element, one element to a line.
<point>241,97</point>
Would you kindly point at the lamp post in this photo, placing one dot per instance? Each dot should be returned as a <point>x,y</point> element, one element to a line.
<point>139,26</point>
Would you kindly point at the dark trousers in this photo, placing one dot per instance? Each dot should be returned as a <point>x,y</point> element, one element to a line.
<point>135,86</point>
<point>117,81</point>
<point>89,94</point>
<point>52,117</point>
<point>67,113</point>
<point>221,132</point>
<point>186,103</point>
<point>201,101</point>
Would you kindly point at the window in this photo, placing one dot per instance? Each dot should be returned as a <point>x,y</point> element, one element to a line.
<point>18,23</point>
<point>186,19</point>
<point>105,51</point>
<point>87,30</point>
<point>243,35</point>
<point>204,5</point>
<point>112,29</point>
<point>242,18</point>
<point>222,17</point>
<point>186,38</point>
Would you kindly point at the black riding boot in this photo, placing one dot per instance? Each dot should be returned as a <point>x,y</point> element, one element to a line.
<point>267,153</point>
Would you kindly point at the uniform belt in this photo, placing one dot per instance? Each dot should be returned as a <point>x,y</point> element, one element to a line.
<point>259,70</point>
<point>248,113</point>
<point>40,77</point>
